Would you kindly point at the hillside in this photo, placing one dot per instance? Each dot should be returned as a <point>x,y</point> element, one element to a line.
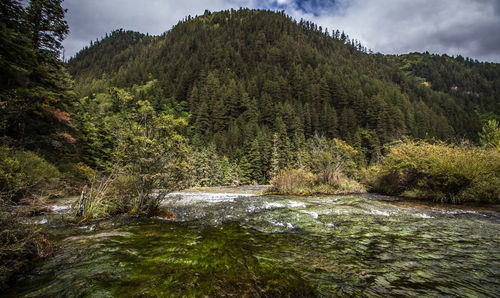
<point>249,80</point>
<point>477,83</point>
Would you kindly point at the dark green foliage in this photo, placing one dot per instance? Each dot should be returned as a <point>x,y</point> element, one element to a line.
<point>138,146</point>
<point>208,168</point>
<point>35,94</point>
<point>35,124</point>
<point>45,20</point>
<point>474,85</point>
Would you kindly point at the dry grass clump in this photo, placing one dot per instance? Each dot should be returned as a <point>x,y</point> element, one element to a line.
<point>303,182</point>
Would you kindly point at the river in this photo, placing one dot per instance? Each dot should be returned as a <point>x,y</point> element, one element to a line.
<point>241,244</point>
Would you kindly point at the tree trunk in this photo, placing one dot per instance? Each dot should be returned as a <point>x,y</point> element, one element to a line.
<point>81,204</point>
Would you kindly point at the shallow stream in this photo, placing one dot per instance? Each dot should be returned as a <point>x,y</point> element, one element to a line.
<point>231,244</point>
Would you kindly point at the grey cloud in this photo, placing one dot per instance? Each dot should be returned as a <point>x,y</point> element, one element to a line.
<point>466,27</point>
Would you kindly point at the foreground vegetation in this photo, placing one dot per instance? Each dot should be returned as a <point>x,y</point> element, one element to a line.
<point>439,172</point>
<point>149,161</point>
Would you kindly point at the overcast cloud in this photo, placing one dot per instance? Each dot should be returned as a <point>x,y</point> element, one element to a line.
<point>467,27</point>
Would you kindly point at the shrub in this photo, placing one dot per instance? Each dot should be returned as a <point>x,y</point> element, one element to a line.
<point>328,167</point>
<point>293,181</point>
<point>150,161</point>
<point>25,174</point>
<point>303,182</point>
<point>151,155</point>
<point>440,172</point>
<point>330,158</point>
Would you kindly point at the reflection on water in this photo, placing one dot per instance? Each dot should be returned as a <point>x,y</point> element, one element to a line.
<point>244,245</point>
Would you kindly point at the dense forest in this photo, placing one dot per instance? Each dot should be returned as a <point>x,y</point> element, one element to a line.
<point>248,80</point>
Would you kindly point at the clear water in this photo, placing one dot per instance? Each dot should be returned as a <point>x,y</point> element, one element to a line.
<point>232,245</point>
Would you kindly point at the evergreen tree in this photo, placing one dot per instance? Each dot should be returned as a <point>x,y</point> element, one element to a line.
<point>37,95</point>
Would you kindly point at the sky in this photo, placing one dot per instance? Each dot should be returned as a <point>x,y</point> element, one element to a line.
<point>470,28</point>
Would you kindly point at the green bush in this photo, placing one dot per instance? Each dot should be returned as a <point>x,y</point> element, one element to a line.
<point>439,172</point>
<point>77,173</point>
<point>330,158</point>
<point>24,174</point>
<point>150,160</point>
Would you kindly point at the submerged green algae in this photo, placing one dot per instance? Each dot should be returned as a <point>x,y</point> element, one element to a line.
<point>278,246</point>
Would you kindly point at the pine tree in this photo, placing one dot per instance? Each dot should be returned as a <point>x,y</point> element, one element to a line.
<point>245,170</point>
<point>202,125</point>
<point>275,157</point>
<point>37,106</point>
<point>48,27</point>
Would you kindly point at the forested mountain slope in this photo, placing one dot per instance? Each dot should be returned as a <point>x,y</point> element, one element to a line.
<point>254,80</point>
<point>476,82</point>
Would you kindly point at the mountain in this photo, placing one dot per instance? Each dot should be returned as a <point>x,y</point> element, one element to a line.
<point>248,77</point>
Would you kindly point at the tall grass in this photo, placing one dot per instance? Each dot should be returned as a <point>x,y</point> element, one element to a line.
<point>118,193</point>
<point>439,172</point>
